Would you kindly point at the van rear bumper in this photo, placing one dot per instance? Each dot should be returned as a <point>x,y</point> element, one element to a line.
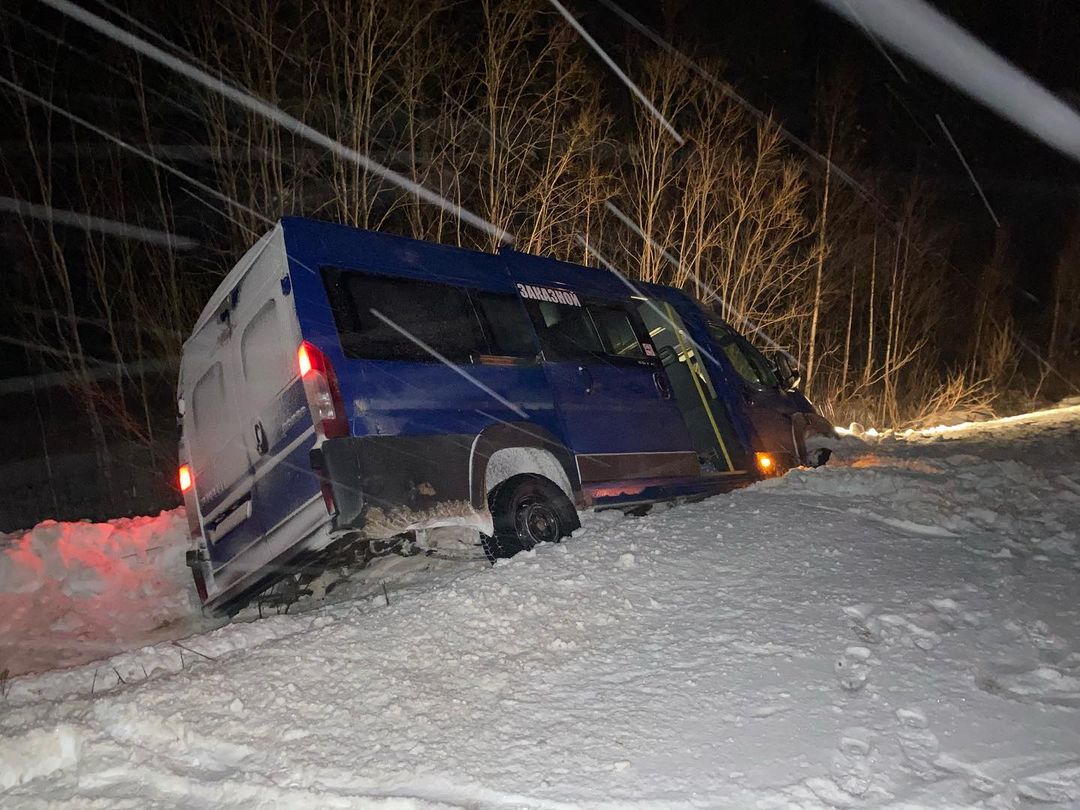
<point>277,554</point>
<point>385,485</point>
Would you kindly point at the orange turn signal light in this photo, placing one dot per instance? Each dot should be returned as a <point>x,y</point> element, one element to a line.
<point>765,463</point>
<point>185,477</point>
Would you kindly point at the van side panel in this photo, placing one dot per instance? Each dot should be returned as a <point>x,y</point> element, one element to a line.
<point>614,415</point>
<point>412,423</point>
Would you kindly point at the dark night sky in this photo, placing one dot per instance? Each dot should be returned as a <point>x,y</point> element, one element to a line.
<point>779,51</point>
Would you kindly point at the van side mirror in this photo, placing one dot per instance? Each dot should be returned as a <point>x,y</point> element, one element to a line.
<point>787,373</point>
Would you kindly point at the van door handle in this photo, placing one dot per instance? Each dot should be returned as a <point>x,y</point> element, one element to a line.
<point>261,442</point>
<point>663,387</point>
<point>585,378</point>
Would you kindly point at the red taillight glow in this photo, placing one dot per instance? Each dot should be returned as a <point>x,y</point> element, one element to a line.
<point>303,357</point>
<point>322,392</point>
<point>185,477</point>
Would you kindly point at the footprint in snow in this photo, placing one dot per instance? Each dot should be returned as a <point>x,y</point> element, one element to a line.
<point>851,774</point>
<point>949,614</point>
<point>1053,680</point>
<point>873,628</point>
<point>909,633</point>
<point>1060,786</point>
<point>1054,686</point>
<point>1022,782</point>
<point>851,767</point>
<point>864,624</point>
<point>918,744</point>
<point>1051,647</point>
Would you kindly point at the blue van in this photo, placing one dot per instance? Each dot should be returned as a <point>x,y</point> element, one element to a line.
<point>344,386</point>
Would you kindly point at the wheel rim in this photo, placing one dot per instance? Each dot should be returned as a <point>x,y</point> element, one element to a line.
<point>536,522</point>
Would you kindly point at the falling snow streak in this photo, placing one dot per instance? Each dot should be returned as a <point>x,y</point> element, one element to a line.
<point>729,312</point>
<point>944,48</point>
<point>87,222</point>
<point>131,148</point>
<point>638,292</point>
<point>592,43</point>
<point>270,112</point>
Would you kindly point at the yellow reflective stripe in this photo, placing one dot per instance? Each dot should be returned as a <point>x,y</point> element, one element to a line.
<point>684,349</point>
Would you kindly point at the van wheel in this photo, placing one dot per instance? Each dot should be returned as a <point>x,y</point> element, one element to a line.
<point>527,510</point>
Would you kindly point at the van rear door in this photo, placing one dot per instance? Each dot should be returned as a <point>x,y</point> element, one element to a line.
<point>248,427</point>
<point>276,422</point>
<point>214,434</point>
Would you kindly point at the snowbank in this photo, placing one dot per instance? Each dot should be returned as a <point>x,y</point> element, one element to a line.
<point>75,592</point>
<point>898,629</point>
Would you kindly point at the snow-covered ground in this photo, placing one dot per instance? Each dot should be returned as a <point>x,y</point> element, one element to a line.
<point>898,629</point>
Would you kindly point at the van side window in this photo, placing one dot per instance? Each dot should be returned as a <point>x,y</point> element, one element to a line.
<point>437,315</point>
<point>616,332</point>
<point>566,332</point>
<point>762,367</point>
<point>747,361</point>
<point>585,332</point>
<point>507,325</point>
<point>740,363</point>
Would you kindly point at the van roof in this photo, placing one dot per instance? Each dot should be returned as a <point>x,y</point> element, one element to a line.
<point>305,236</point>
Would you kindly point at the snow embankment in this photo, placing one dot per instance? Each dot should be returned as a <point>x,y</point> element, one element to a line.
<point>76,592</point>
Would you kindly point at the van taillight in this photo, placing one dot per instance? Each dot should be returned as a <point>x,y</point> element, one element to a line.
<point>303,357</point>
<point>184,477</point>
<point>322,392</point>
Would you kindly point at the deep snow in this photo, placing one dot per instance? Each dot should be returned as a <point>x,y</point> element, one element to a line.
<point>77,592</point>
<point>898,629</point>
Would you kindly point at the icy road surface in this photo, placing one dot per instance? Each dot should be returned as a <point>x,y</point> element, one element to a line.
<point>897,630</point>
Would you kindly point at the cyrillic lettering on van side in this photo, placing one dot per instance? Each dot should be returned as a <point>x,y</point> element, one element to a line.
<point>549,294</point>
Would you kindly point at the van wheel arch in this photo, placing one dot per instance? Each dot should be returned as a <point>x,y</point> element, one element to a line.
<point>508,449</point>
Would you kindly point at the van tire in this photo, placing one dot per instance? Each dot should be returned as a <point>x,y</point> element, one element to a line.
<point>527,510</point>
